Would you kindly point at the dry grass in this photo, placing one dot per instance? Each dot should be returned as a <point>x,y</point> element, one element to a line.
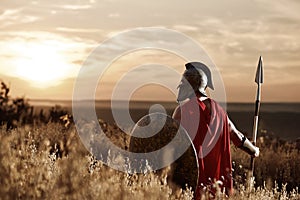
<point>49,162</point>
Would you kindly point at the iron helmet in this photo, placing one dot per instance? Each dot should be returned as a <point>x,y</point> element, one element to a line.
<point>196,77</point>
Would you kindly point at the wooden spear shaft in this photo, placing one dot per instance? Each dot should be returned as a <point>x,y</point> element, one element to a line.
<point>259,81</point>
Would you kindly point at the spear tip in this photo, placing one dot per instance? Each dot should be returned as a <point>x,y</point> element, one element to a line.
<point>259,71</point>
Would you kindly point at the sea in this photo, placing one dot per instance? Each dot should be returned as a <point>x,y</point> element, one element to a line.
<point>280,120</point>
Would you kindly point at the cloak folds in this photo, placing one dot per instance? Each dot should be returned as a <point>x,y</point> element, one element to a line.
<point>209,131</point>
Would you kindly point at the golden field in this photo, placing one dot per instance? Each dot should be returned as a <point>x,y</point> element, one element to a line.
<point>49,162</point>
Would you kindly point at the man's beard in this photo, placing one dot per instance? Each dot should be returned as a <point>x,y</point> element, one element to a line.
<point>185,92</point>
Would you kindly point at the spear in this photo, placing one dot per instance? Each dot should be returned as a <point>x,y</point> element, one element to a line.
<point>259,81</point>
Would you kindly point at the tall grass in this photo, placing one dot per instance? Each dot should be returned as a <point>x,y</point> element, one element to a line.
<point>50,162</point>
<point>278,165</point>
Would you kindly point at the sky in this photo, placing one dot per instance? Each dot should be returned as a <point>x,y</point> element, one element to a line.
<point>44,45</point>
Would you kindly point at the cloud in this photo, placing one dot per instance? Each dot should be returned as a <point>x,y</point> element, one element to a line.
<point>235,45</point>
<point>234,33</point>
<point>9,13</point>
<point>75,7</point>
<point>114,15</point>
<point>185,28</point>
<point>15,16</point>
<point>77,30</point>
<point>21,88</point>
<point>27,47</point>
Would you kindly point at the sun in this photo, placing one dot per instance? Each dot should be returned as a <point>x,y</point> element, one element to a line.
<point>42,65</point>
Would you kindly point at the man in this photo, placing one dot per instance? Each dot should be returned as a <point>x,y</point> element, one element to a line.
<point>209,127</point>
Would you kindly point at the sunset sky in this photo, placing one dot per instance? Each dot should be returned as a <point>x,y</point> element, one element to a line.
<point>43,44</point>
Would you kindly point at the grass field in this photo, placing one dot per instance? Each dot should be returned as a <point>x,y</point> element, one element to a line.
<point>50,162</point>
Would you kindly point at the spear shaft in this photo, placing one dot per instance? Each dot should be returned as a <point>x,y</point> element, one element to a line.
<point>259,81</point>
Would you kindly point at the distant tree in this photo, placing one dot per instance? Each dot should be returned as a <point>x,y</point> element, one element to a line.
<point>13,110</point>
<point>18,111</point>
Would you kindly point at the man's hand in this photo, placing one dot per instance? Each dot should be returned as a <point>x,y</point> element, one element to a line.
<point>248,147</point>
<point>256,154</point>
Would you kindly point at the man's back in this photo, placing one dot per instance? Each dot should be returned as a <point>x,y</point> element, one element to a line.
<point>211,139</point>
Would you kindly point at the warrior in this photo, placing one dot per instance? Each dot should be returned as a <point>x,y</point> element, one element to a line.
<point>210,128</point>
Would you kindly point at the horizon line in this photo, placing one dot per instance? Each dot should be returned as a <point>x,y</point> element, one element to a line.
<point>155,100</point>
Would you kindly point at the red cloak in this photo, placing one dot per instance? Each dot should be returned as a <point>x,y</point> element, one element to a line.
<point>211,138</point>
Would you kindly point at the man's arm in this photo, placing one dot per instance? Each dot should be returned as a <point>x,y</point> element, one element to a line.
<point>241,141</point>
